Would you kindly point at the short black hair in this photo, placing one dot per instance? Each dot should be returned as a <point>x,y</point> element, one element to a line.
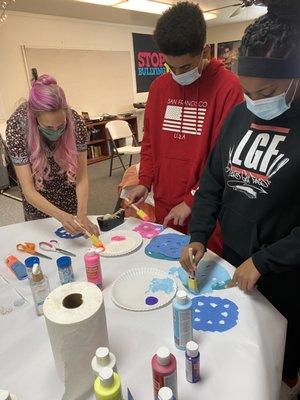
<point>275,34</point>
<point>181,30</point>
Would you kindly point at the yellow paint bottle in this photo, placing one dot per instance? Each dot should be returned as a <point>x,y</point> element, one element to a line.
<point>107,385</point>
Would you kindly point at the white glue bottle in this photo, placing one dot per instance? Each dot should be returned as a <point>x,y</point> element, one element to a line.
<point>5,395</point>
<point>165,393</point>
<point>103,358</point>
<point>182,319</point>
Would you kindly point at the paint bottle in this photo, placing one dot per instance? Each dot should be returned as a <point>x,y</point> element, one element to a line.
<point>182,319</point>
<point>192,362</point>
<point>165,393</point>
<point>164,371</point>
<point>5,395</point>
<point>93,268</point>
<point>16,267</point>
<point>65,270</point>
<point>29,263</point>
<point>103,358</point>
<point>40,288</point>
<point>107,385</point>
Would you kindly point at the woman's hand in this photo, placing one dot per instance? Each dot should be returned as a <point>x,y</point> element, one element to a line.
<point>88,225</point>
<point>67,221</point>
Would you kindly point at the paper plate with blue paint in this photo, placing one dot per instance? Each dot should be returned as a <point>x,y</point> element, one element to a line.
<point>214,314</point>
<point>168,246</point>
<point>143,289</point>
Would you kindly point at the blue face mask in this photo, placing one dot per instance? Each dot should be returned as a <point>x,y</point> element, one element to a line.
<point>187,78</point>
<point>270,107</point>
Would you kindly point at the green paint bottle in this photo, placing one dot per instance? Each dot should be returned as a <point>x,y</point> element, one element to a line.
<point>107,385</point>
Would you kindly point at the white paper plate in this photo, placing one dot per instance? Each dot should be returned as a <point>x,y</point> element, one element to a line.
<point>119,248</point>
<point>133,288</point>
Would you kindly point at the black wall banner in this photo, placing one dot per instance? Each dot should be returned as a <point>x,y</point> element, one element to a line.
<point>149,62</point>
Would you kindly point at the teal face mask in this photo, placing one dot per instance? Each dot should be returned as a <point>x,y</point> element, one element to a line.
<point>50,134</point>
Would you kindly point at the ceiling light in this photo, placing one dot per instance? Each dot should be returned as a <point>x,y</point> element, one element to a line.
<point>102,2</point>
<point>208,16</point>
<point>144,6</point>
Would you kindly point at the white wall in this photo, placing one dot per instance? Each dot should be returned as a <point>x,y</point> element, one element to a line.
<point>53,32</point>
<point>226,33</point>
<point>66,33</point>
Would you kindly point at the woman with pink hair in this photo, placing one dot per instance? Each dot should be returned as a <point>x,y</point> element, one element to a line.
<point>47,143</point>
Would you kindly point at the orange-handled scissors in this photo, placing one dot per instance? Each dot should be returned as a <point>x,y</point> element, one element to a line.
<point>30,249</point>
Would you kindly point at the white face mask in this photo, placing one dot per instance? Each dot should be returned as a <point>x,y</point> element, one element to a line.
<point>270,107</point>
<point>187,78</point>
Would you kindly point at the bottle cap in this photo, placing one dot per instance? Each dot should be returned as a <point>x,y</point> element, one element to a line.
<point>192,349</point>
<point>30,261</point>
<point>102,355</point>
<point>165,393</point>
<point>37,274</point>
<point>90,252</point>
<point>163,356</point>
<point>182,297</point>
<point>64,262</point>
<point>4,395</point>
<point>106,376</point>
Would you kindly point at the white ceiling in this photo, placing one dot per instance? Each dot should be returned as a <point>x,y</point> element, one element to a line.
<point>77,9</point>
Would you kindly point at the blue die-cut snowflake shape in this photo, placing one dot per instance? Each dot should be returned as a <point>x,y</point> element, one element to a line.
<point>214,314</point>
<point>63,234</point>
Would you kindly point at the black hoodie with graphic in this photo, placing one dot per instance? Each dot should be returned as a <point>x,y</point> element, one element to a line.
<point>251,182</point>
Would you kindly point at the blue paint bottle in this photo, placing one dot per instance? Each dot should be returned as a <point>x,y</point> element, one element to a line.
<point>65,270</point>
<point>192,362</point>
<point>182,319</point>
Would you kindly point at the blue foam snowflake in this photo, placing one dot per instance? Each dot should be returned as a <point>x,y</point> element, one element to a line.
<point>214,314</point>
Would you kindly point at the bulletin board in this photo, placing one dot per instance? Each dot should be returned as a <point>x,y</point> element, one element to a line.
<point>94,81</point>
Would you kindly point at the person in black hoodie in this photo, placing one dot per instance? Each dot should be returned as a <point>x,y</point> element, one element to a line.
<point>251,179</point>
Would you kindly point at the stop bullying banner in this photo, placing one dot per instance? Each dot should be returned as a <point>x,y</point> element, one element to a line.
<point>149,62</point>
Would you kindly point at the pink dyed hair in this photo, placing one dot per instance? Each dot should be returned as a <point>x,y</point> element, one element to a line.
<point>46,95</point>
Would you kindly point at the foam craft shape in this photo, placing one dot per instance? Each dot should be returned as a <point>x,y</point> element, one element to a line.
<point>63,234</point>
<point>214,314</point>
<point>148,230</point>
<point>210,276</point>
<point>158,255</point>
<point>169,245</point>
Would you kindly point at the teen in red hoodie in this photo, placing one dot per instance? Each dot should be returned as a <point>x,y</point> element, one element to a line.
<point>185,111</point>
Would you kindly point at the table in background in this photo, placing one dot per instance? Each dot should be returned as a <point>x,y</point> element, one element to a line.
<point>243,363</point>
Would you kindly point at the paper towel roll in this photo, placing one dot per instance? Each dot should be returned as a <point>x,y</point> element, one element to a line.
<point>76,323</point>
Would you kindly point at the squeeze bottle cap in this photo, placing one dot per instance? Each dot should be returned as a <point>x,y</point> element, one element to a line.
<point>106,376</point>
<point>182,297</point>
<point>102,355</point>
<point>163,356</point>
<point>165,393</point>
<point>37,274</point>
<point>192,349</point>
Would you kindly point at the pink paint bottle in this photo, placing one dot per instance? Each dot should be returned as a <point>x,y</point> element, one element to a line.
<point>164,371</point>
<point>93,268</point>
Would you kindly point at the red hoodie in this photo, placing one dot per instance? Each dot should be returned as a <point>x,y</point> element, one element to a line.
<point>182,124</point>
<point>174,152</point>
